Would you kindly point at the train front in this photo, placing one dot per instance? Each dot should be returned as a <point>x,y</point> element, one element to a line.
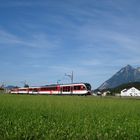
<point>88,87</point>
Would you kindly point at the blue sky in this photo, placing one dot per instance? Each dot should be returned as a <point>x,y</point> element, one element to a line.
<point>41,40</point>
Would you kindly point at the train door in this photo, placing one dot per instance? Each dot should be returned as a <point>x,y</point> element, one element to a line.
<point>71,89</point>
<point>61,90</point>
<point>58,89</point>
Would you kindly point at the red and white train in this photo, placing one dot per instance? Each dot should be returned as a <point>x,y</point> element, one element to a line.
<point>59,89</point>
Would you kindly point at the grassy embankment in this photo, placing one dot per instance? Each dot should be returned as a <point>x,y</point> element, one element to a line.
<point>68,117</point>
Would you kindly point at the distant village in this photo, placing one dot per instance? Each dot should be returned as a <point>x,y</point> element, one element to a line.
<point>123,93</point>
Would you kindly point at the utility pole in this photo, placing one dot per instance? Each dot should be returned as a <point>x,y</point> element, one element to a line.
<point>58,81</point>
<point>70,76</point>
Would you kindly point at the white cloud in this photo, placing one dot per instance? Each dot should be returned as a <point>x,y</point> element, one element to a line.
<point>23,3</point>
<point>36,41</point>
<point>91,62</point>
<point>8,38</point>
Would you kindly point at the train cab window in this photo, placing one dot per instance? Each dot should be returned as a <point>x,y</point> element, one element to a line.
<point>88,86</point>
<point>83,88</point>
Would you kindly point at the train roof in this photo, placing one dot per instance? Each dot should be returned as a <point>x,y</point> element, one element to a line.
<point>53,85</point>
<point>64,84</point>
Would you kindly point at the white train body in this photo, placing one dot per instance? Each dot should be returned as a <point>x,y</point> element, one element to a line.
<point>61,89</point>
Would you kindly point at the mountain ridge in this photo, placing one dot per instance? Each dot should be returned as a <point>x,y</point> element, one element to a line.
<point>126,74</point>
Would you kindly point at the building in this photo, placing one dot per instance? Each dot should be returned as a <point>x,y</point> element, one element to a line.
<point>105,93</point>
<point>130,92</point>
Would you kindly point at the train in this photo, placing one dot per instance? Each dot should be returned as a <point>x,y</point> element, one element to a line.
<point>56,89</point>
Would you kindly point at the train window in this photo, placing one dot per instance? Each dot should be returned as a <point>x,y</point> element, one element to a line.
<point>77,87</point>
<point>22,89</point>
<point>35,90</point>
<point>43,89</point>
<point>53,88</point>
<point>66,89</point>
<point>30,89</point>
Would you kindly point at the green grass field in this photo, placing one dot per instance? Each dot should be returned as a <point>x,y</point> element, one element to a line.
<point>68,117</point>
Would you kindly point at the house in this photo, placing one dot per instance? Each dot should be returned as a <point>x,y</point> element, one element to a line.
<point>130,92</point>
<point>105,93</point>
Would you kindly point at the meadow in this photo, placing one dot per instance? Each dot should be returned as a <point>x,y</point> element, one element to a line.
<point>40,117</point>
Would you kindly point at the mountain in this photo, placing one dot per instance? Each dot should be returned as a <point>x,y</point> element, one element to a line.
<point>126,75</point>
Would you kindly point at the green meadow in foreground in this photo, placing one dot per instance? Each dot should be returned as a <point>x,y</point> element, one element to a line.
<point>37,117</point>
